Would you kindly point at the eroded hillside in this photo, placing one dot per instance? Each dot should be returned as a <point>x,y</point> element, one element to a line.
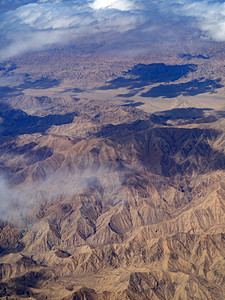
<point>107,202</point>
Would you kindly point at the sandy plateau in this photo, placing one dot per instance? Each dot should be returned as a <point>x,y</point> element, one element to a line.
<point>113,176</point>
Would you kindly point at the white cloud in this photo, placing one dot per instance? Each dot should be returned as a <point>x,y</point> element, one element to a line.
<point>42,24</point>
<point>209,16</point>
<point>47,16</point>
<point>47,23</point>
<point>14,204</point>
<point>112,4</point>
<point>19,203</point>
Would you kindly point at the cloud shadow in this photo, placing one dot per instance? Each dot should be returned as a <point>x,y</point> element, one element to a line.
<point>16,122</point>
<point>191,88</point>
<point>142,75</point>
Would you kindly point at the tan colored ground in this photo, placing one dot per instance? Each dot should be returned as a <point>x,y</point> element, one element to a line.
<point>115,205</point>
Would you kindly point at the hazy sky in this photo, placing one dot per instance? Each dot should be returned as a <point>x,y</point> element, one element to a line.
<point>34,25</point>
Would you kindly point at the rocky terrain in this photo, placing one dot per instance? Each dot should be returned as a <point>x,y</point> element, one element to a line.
<point>112,150</point>
<point>105,202</point>
<point>169,76</point>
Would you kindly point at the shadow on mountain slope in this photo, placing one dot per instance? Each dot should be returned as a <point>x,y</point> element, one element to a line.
<point>142,75</point>
<point>191,88</point>
<point>7,92</point>
<point>169,151</point>
<point>16,122</point>
<point>188,56</point>
<point>186,116</point>
<point>41,83</point>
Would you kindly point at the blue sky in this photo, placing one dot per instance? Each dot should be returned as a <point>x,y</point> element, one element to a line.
<point>36,25</point>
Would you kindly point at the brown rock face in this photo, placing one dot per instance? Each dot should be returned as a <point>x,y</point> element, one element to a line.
<point>113,205</point>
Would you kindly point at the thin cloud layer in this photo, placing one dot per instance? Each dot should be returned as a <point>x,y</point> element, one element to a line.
<point>209,16</point>
<point>18,205</point>
<point>112,4</point>
<point>35,25</point>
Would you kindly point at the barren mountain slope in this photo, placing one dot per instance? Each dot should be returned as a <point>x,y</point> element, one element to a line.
<point>171,75</point>
<point>109,202</point>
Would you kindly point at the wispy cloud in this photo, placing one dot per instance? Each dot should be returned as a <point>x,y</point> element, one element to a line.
<point>47,23</point>
<point>19,203</point>
<point>14,204</point>
<point>114,4</point>
<point>34,25</point>
<point>209,16</point>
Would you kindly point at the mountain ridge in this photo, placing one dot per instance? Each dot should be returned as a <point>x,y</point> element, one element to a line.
<point>133,197</point>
